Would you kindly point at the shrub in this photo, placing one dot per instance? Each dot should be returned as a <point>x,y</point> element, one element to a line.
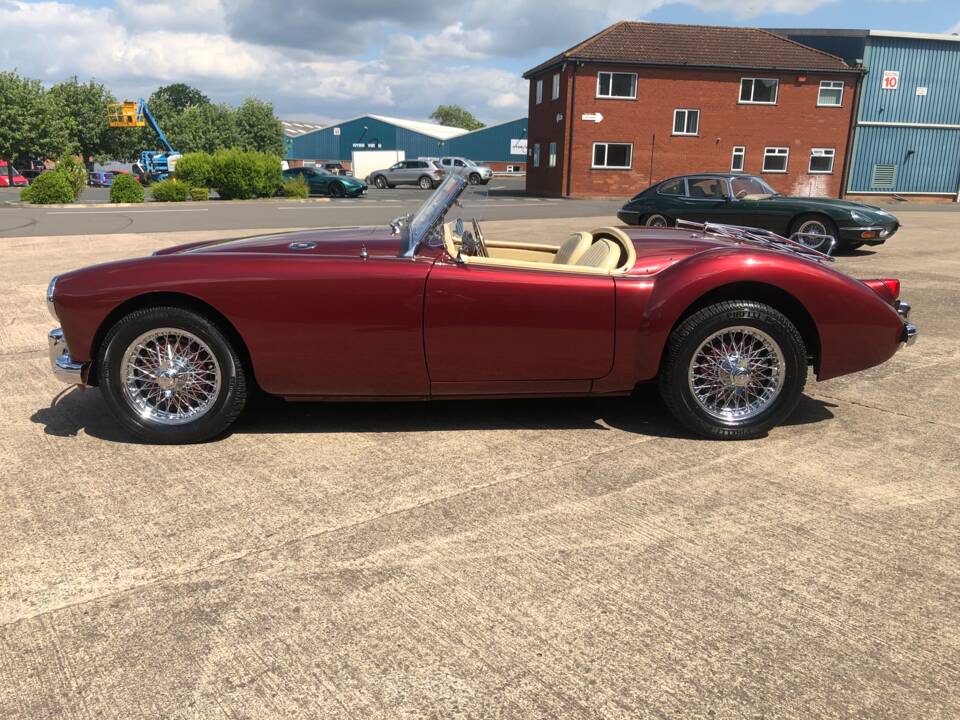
<point>296,188</point>
<point>170,191</point>
<point>125,189</point>
<point>195,169</point>
<point>199,194</point>
<point>49,188</point>
<point>75,172</point>
<point>240,175</point>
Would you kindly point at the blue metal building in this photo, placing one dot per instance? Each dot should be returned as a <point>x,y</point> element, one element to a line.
<point>503,143</point>
<point>907,135</point>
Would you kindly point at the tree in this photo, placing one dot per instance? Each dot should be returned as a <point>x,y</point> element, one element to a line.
<point>203,128</point>
<point>31,121</point>
<point>258,128</point>
<point>84,108</point>
<point>177,98</point>
<point>456,116</point>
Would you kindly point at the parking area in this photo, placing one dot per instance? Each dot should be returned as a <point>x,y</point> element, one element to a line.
<point>563,558</point>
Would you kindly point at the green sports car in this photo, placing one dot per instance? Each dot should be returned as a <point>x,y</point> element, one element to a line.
<point>736,199</point>
<point>322,182</point>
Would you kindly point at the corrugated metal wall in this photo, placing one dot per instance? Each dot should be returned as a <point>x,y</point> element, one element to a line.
<point>927,160</point>
<point>490,144</point>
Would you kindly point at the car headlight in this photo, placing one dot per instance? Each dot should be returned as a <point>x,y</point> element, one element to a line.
<point>51,290</point>
<point>859,217</point>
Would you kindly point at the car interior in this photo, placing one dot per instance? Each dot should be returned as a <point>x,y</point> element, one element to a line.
<point>603,251</point>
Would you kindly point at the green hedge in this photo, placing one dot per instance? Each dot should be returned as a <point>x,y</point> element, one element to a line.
<point>296,188</point>
<point>125,189</point>
<point>170,191</point>
<point>241,175</point>
<point>75,172</point>
<point>50,188</point>
<point>199,194</point>
<point>195,169</point>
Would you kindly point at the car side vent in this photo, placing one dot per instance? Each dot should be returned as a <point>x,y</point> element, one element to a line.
<point>884,176</point>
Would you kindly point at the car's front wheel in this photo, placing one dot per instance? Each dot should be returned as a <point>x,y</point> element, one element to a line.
<point>817,227</point>
<point>337,190</point>
<point>734,370</point>
<point>170,375</point>
<point>473,179</point>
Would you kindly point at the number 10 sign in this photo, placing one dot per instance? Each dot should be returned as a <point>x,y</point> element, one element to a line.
<point>891,80</point>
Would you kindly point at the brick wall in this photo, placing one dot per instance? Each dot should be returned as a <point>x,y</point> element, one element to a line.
<point>794,122</point>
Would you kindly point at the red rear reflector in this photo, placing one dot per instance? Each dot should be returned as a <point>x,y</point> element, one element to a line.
<point>887,288</point>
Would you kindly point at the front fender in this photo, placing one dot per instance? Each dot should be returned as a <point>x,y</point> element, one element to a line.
<point>855,327</point>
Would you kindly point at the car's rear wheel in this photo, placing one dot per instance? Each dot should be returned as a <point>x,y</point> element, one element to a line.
<point>657,220</point>
<point>170,375</point>
<point>817,225</point>
<point>426,182</point>
<point>473,179</point>
<point>381,182</point>
<point>734,370</point>
<point>337,190</point>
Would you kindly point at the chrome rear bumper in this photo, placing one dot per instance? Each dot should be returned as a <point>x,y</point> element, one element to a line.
<point>63,366</point>
<point>910,331</point>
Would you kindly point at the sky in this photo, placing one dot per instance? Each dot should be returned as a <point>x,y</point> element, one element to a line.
<point>326,61</point>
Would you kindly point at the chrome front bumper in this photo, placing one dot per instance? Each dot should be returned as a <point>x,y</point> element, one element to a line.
<point>63,366</point>
<point>910,331</point>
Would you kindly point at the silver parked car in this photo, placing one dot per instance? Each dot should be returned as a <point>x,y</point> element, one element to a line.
<point>473,172</point>
<point>425,173</point>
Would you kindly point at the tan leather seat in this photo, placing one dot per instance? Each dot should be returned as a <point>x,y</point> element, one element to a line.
<point>573,248</point>
<point>603,254</point>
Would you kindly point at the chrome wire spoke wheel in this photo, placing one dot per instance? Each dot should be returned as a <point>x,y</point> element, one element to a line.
<point>170,376</point>
<point>813,227</point>
<point>736,373</point>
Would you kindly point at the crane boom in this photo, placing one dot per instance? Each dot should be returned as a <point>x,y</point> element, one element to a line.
<point>144,111</point>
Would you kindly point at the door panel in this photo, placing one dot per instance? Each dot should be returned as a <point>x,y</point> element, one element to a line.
<point>495,325</point>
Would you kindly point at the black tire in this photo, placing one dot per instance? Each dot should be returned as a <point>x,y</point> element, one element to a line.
<point>687,339</point>
<point>226,405</point>
<point>337,190</point>
<point>473,179</point>
<point>816,219</point>
<point>656,220</point>
<point>425,182</point>
<point>380,181</point>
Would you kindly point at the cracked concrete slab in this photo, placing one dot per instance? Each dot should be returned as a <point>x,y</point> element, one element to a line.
<point>572,558</point>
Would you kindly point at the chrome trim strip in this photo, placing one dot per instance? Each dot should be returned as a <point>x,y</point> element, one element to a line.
<point>866,228</point>
<point>910,332</point>
<point>63,366</point>
<point>903,307</point>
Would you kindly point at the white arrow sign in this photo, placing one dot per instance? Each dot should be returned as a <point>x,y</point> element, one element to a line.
<point>596,117</point>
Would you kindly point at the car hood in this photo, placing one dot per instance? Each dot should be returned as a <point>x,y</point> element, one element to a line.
<point>825,202</point>
<point>344,242</point>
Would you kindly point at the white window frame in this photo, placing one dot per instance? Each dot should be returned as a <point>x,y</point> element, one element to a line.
<point>686,122</point>
<point>593,156</point>
<point>611,73</point>
<point>539,87</point>
<point>555,89</point>
<point>776,91</point>
<point>822,152</point>
<point>536,154</point>
<point>552,155</point>
<point>830,85</point>
<point>776,153</point>
<point>743,158</point>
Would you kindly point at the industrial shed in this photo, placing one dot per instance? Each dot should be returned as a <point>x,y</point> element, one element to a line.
<point>378,138</point>
<point>907,134</point>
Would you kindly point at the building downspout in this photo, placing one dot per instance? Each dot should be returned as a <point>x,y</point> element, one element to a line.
<point>851,132</point>
<point>570,118</point>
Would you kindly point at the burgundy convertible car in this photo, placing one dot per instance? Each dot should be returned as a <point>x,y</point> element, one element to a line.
<point>726,319</point>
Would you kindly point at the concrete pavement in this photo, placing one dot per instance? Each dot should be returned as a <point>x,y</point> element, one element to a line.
<point>542,559</point>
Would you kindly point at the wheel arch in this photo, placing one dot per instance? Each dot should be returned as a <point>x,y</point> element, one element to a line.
<point>776,297</point>
<point>175,299</point>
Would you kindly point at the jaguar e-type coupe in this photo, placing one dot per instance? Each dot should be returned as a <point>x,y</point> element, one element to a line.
<point>726,319</point>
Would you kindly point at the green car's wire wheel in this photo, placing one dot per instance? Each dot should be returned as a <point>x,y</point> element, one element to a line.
<point>815,225</point>
<point>657,220</point>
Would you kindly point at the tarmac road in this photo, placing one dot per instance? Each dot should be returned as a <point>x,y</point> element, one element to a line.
<point>526,559</point>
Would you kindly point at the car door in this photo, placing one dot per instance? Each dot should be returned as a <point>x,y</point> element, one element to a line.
<point>503,330</point>
<point>395,173</point>
<point>756,209</point>
<point>704,200</point>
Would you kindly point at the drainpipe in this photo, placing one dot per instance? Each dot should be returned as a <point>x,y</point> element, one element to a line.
<point>851,132</point>
<point>570,119</point>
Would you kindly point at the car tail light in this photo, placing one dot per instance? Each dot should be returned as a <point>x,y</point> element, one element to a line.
<point>887,288</point>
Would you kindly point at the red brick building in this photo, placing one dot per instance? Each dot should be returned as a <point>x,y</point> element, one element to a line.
<point>640,102</point>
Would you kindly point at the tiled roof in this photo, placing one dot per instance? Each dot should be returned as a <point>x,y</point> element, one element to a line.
<point>696,46</point>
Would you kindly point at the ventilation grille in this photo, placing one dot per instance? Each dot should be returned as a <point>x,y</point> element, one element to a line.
<point>884,176</point>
